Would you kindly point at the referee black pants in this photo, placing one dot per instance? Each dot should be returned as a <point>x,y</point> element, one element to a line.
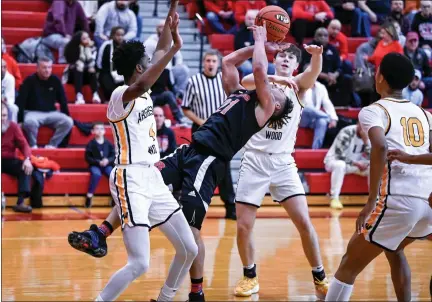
<point>226,188</point>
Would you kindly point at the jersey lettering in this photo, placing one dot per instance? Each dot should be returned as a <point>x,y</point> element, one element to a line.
<point>227,105</point>
<point>413,133</point>
<point>148,111</point>
<point>276,136</point>
<point>152,150</point>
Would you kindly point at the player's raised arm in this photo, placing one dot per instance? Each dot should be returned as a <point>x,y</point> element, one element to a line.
<point>230,74</point>
<point>307,78</point>
<point>249,81</point>
<point>165,39</point>
<point>149,77</point>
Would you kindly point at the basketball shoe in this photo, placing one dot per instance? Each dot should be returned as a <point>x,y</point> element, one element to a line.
<point>246,287</point>
<point>336,204</point>
<point>92,242</point>
<point>321,288</point>
<point>196,297</point>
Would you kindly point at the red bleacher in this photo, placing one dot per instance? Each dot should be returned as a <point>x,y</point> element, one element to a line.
<point>319,183</point>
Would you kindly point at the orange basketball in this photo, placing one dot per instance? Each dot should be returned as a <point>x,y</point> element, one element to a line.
<point>277,22</point>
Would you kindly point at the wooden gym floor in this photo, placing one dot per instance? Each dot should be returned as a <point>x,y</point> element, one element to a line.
<point>39,265</point>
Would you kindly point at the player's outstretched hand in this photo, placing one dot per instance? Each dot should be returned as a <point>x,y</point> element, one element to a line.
<point>398,155</point>
<point>313,49</point>
<point>259,32</point>
<point>364,214</point>
<point>174,25</point>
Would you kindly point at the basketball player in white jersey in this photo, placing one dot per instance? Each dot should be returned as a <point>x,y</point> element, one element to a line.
<point>142,199</point>
<point>402,213</point>
<point>268,164</point>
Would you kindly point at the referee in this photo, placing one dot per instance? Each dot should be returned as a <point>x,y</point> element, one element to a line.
<point>204,95</point>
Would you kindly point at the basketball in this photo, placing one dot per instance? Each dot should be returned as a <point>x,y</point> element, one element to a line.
<point>277,22</point>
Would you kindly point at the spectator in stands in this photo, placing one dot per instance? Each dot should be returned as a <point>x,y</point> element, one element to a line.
<point>80,54</point>
<point>401,37</point>
<point>378,11</point>
<point>134,6</point>
<point>242,7</point>
<point>389,43</point>
<point>179,71</point>
<point>220,12</point>
<point>338,84</point>
<point>109,79</point>
<point>307,17</point>
<point>100,155</point>
<point>197,106</point>
<point>111,14</point>
<point>348,13</point>
<point>8,91</point>
<point>12,65</point>
<point>340,41</point>
<point>244,38</point>
<point>63,18</point>
<point>36,101</point>
<point>11,139</point>
<point>349,154</point>
<point>366,49</point>
<point>90,9</point>
<point>412,92</point>
<point>422,24</point>
<point>165,136</point>
<point>313,117</point>
<point>397,14</point>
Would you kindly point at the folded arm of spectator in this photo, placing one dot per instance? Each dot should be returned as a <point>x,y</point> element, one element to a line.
<point>101,18</point>
<point>133,27</point>
<point>90,159</point>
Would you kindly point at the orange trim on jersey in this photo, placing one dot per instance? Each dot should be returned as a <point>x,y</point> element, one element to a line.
<point>126,114</point>
<point>388,117</point>
<point>375,215</point>
<point>298,99</point>
<point>384,182</point>
<point>120,183</point>
<point>124,147</point>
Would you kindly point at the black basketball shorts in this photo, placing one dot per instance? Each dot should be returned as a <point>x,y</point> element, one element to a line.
<point>196,174</point>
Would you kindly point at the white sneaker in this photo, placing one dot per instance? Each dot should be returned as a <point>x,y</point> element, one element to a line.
<point>50,147</point>
<point>34,147</point>
<point>96,98</point>
<point>79,99</point>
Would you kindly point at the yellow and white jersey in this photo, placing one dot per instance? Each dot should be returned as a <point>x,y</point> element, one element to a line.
<point>407,127</point>
<point>134,129</point>
<point>272,139</point>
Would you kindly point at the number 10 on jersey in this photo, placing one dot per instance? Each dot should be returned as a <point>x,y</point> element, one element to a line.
<point>413,132</point>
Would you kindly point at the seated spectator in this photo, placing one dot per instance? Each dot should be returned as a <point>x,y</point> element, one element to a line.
<point>397,14</point>
<point>366,49</point>
<point>307,17</point>
<point>80,54</point>
<point>338,84</point>
<point>162,94</point>
<point>100,156</point>
<point>412,92</point>
<point>166,137</point>
<point>109,79</point>
<point>90,9</point>
<point>112,14</point>
<point>401,37</point>
<point>244,38</point>
<point>36,101</point>
<point>63,18</point>
<point>134,6</point>
<point>179,71</point>
<point>219,12</point>
<point>348,13</point>
<point>242,7</point>
<point>422,25</point>
<point>11,139</point>
<point>8,91</point>
<point>340,41</point>
<point>378,11</point>
<point>349,154</point>
<point>12,66</point>
<point>312,117</point>
<point>389,43</point>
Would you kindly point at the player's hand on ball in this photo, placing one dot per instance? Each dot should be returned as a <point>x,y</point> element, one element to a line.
<point>173,24</point>
<point>259,32</point>
<point>313,49</point>
<point>398,155</point>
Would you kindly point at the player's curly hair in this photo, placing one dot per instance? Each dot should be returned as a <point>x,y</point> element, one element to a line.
<point>277,122</point>
<point>127,56</point>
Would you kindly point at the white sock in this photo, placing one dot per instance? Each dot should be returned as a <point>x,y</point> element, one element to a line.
<point>166,293</point>
<point>317,269</point>
<point>99,298</point>
<point>250,266</point>
<point>339,291</point>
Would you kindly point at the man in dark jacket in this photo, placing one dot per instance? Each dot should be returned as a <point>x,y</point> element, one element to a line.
<point>100,156</point>
<point>165,135</point>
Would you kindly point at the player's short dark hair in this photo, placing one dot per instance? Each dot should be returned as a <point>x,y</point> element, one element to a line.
<point>97,124</point>
<point>127,56</point>
<point>291,48</point>
<point>397,70</point>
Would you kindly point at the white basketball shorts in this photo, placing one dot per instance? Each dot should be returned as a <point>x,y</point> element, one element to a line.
<point>396,218</point>
<point>141,196</point>
<point>262,172</point>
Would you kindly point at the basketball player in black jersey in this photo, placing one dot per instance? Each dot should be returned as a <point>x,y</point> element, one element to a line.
<point>198,168</point>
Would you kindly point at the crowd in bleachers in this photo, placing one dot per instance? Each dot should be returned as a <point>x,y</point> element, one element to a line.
<point>82,35</point>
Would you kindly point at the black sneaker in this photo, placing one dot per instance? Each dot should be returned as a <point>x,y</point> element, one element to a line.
<point>196,296</point>
<point>22,208</point>
<point>92,242</point>
<point>88,202</point>
<point>230,211</point>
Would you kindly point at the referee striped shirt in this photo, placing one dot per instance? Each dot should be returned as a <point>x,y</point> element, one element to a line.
<point>204,95</point>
